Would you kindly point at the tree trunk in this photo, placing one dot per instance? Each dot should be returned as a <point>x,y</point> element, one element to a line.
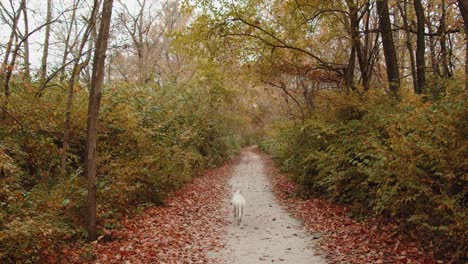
<point>92,43</point>
<point>67,40</point>
<point>432,48</point>
<point>93,113</point>
<point>27,66</point>
<point>9,45</point>
<point>446,73</point>
<point>9,71</point>
<point>420,48</point>
<point>8,51</point>
<point>355,43</point>
<point>391,60</point>
<point>77,68</point>
<point>10,65</point>
<point>361,52</point>
<point>463,5</point>
<point>349,74</point>
<point>398,38</point>
<point>45,52</point>
<point>409,45</point>
<point>8,75</point>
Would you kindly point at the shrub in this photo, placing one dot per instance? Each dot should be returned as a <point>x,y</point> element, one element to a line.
<point>405,161</point>
<point>151,141</point>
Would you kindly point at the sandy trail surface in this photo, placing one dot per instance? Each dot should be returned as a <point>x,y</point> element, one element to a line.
<point>268,234</point>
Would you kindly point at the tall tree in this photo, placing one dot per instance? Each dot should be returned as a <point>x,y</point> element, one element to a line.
<point>391,60</point>
<point>45,52</point>
<point>146,28</point>
<point>14,55</point>
<point>463,5</point>
<point>363,46</point>
<point>432,44</point>
<point>7,66</point>
<point>14,17</point>
<point>409,43</point>
<point>68,47</point>
<point>19,38</point>
<point>355,42</point>
<point>446,73</point>
<point>93,113</point>
<point>27,68</point>
<point>420,47</point>
<point>78,66</point>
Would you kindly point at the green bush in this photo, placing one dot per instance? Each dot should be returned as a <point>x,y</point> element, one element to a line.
<point>151,140</point>
<point>405,161</point>
<point>43,219</point>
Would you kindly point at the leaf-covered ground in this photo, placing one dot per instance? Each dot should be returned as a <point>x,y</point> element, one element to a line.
<point>181,232</point>
<point>343,239</point>
<point>192,224</point>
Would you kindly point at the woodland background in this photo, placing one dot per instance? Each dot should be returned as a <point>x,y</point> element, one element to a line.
<point>361,101</point>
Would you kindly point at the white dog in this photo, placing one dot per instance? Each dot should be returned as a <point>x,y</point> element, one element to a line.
<point>238,204</point>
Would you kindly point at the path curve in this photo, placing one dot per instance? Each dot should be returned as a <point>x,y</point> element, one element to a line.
<point>269,234</point>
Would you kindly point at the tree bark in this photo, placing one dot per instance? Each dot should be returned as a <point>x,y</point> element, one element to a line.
<point>355,43</point>
<point>368,50</point>
<point>391,60</point>
<point>93,113</point>
<point>420,48</point>
<point>463,5</point>
<point>446,73</point>
<point>67,40</point>
<point>409,44</point>
<point>77,68</point>
<point>432,49</point>
<point>45,52</point>
<point>8,50</point>
<point>16,17</point>
<point>20,39</point>
<point>9,71</point>
<point>349,73</point>
<point>10,65</point>
<point>27,68</point>
<point>362,53</point>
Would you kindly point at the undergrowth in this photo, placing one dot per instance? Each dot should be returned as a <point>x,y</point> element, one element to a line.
<point>406,161</point>
<point>151,140</point>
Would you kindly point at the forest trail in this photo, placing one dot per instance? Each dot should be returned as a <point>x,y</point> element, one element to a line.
<point>196,225</point>
<point>269,233</point>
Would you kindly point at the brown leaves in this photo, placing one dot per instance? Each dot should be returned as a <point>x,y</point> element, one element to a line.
<point>181,232</point>
<point>346,240</point>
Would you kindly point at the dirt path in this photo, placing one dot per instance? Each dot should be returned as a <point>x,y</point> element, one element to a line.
<point>269,234</point>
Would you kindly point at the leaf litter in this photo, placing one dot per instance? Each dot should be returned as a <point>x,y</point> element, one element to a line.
<point>183,231</point>
<point>343,239</point>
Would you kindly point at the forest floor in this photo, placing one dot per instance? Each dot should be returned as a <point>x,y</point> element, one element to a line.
<point>196,225</point>
<point>183,231</point>
<point>342,238</point>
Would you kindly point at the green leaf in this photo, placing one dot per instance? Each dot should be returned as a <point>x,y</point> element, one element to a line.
<point>66,202</point>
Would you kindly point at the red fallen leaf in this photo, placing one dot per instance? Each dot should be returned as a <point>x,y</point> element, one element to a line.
<point>185,230</point>
<point>344,239</point>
